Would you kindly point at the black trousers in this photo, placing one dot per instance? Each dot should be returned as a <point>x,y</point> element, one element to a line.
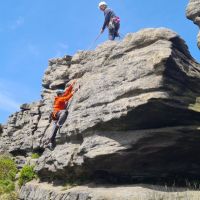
<point>113,32</point>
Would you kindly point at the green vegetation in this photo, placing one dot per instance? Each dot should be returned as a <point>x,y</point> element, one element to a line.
<point>6,186</point>
<point>35,156</point>
<point>8,172</point>
<point>10,196</point>
<point>8,168</point>
<point>26,174</point>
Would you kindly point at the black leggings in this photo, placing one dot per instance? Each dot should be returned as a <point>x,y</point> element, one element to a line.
<point>62,116</point>
<point>114,32</point>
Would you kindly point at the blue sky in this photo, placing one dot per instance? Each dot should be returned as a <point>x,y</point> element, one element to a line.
<point>31,32</point>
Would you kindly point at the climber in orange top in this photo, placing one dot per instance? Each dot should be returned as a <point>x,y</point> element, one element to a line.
<point>60,112</point>
<point>62,98</point>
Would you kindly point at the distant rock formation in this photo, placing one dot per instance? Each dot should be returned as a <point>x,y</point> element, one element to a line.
<point>1,129</point>
<point>193,13</point>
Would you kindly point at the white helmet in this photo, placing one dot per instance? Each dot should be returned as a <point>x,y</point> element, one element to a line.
<point>102,3</point>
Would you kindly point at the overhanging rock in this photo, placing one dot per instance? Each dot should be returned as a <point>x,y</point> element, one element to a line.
<point>135,116</point>
<point>137,103</point>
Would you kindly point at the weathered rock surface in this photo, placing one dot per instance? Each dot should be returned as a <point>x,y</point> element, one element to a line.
<point>18,134</point>
<point>136,116</point>
<point>138,102</point>
<point>44,191</point>
<point>193,13</point>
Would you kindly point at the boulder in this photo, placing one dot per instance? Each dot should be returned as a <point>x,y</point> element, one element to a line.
<point>137,103</point>
<point>193,13</point>
<point>135,116</point>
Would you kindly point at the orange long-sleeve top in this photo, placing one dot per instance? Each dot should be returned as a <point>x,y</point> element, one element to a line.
<point>61,101</point>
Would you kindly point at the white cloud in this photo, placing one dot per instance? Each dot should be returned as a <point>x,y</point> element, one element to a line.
<point>33,49</point>
<point>17,23</point>
<point>7,96</point>
<point>63,46</point>
<point>61,49</point>
<point>58,54</point>
<point>8,104</point>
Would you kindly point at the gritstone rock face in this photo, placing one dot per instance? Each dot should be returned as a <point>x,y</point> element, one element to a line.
<point>193,13</point>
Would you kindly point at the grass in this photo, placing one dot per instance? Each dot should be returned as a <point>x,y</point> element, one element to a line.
<point>8,171</point>
<point>27,174</point>
<point>11,196</point>
<point>35,156</point>
<point>6,186</point>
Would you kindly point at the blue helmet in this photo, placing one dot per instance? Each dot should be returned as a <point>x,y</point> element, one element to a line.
<point>59,92</point>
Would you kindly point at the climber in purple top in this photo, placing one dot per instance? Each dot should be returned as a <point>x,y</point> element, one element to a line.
<point>111,21</point>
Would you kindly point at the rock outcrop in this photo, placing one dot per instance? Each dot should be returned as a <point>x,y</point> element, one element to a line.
<point>1,129</point>
<point>135,117</point>
<point>193,13</point>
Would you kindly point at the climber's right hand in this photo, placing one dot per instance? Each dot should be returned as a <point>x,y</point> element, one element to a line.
<point>73,82</point>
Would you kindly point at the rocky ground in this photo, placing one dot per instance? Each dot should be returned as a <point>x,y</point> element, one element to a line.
<point>46,191</point>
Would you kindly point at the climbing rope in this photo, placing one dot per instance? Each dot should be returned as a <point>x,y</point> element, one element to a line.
<point>92,44</point>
